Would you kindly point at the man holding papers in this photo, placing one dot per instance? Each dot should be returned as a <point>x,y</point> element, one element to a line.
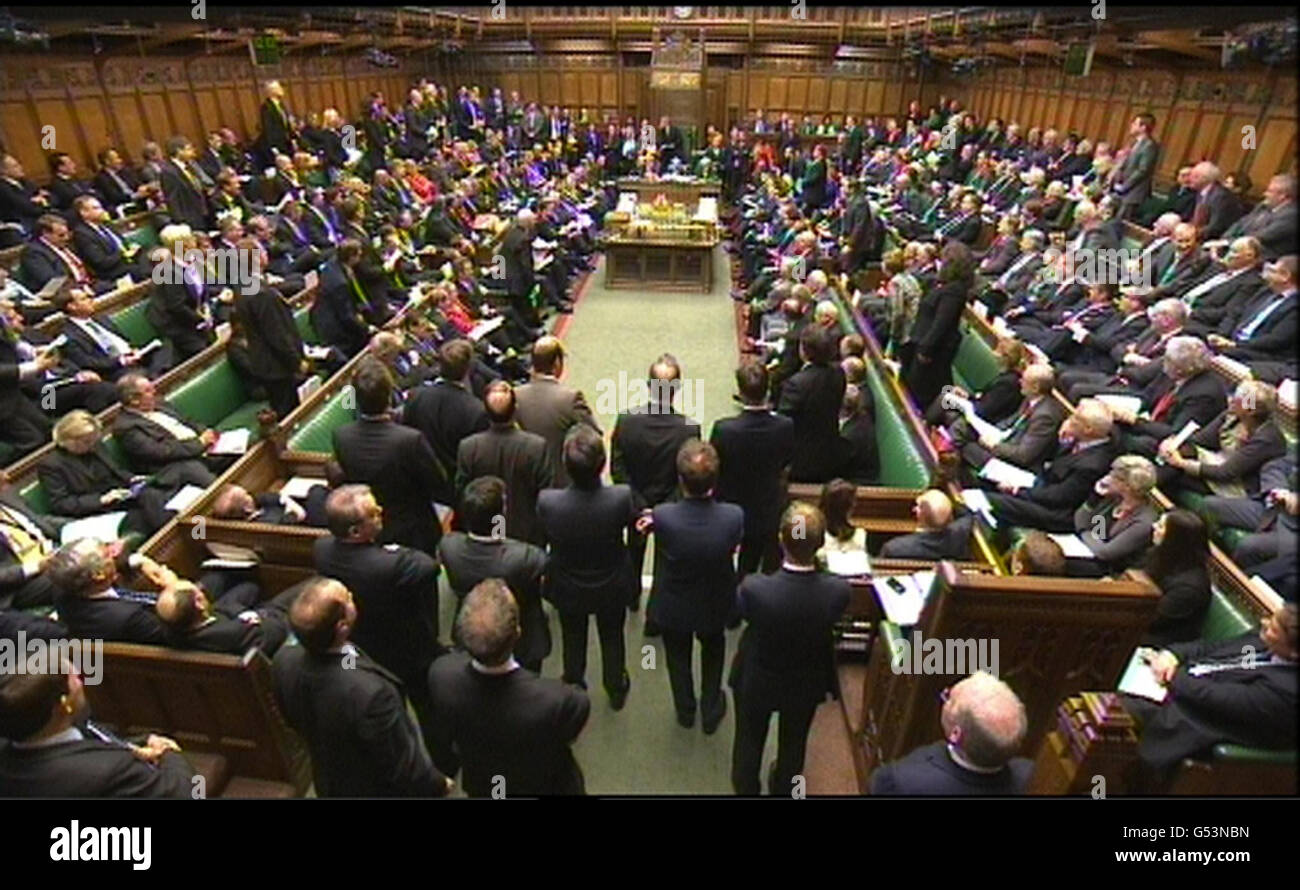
<point>1083,455</point>
<point>157,440</point>
<point>96,344</point>
<point>1186,389</point>
<point>1027,438</point>
<point>1240,691</point>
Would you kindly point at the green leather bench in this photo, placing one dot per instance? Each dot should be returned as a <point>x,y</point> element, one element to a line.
<point>316,434</point>
<point>145,236</point>
<point>134,323</point>
<point>975,364</point>
<point>901,464</point>
<point>217,398</point>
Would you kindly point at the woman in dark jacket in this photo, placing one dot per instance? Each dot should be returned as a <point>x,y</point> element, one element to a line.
<point>999,399</point>
<point>937,332</point>
<point>1178,564</point>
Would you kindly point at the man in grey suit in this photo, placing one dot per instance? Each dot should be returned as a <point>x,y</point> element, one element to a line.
<point>548,408</point>
<point>1216,207</point>
<point>1133,181</point>
<point>1032,429</point>
<point>516,456</point>
<point>1272,222</point>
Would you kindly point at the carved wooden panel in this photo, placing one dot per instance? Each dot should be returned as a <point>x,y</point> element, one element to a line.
<point>818,90</point>
<point>875,98</point>
<point>778,93</point>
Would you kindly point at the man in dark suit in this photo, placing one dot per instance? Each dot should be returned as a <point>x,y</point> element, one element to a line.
<point>394,460</point>
<point>272,508</point>
<point>234,623</point>
<point>513,729</point>
<point>276,133</point>
<point>482,550</point>
<point>548,408</point>
<point>694,590</point>
<point>1186,389</point>
<point>517,249</point>
<point>186,200</point>
<point>1083,457</point>
<point>102,250</point>
<point>1133,179</point>
<point>1263,328</point>
<point>812,398</point>
<point>21,201</point>
<point>446,410</point>
<point>22,422</point>
<point>984,724</point>
<point>395,588</point>
<point>338,313</point>
<point>50,255</point>
<point>1273,221</point>
<point>938,534</point>
<point>859,452</point>
<point>55,751</point>
<point>755,448</point>
<point>1216,207</point>
<point>643,451</point>
<point>1223,286</point>
<point>27,538</point>
<point>84,576</point>
<point>589,571</point>
<point>65,187</point>
<point>519,458</point>
<point>784,662</point>
<point>158,441</point>
<point>117,184</point>
<point>1239,691</point>
<point>349,709</point>
<point>96,344</point>
<point>179,299</point>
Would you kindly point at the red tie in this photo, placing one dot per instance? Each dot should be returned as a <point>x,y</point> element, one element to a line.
<point>1162,406</point>
<point>1202,213</point>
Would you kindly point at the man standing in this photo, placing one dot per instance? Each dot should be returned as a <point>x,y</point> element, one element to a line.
<point>277,132</point>
<point>549,408</point>
<point>1133,180</point>
<point>755,448</point>
<point>812,398</point>
<point>348,708</point>
<point>513,729</point>
<point>589,571</point>
<point>694,589</point>
<point>784,663</point>
<point>394,460</point>
<point>643,451</point>
<point>446,411</point>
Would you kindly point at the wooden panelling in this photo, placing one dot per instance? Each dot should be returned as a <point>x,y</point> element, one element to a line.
<point>817,90</point>
<point>1198,114</point>
<point>123,101</point>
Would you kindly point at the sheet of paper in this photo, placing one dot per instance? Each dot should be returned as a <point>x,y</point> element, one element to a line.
<point>311,279</point>
<point>232,552</point>
<point>977,500</point>
<point>184,499</point>
<point>101,527</point>
<point>1286,392</point>
<point>297,487</point>
<point>149,347</point>
<point>983,428</point>
<point>227,564</point>
<point>904,608</point>
<point>307,388</point>
<point>997,470</point>
<point>850,563</point>
<point>232,442</point>
<point>483,328</point>
<point>1129,404</point>
<point>1078,333</point>
<point>123,283</point>
<point>1072,546</point>
<point>1139,680</point>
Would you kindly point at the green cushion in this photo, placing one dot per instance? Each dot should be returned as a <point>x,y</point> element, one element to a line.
<point>975,364</point>
<point>316,434</point>
<point>901,464</point>
<point>1253,755</point>
<point>302,318</point>
<point>243,418</point>
<point>133,323</point>
<point>212,395</point>
<point>1225,619</point>
<point>7,453</point>
<point>146,236</point>
<point>34,494</point>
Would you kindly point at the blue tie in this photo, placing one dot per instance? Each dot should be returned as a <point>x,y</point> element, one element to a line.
<point>1246,331</point>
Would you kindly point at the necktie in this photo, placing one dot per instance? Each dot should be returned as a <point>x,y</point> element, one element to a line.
<point>103,338</point>
<point>73,263</point>
<point>121,184</point>
<point>1246,331</point>
<point>1163,405</point>
<point>106,737</point>
<point>110,238</point>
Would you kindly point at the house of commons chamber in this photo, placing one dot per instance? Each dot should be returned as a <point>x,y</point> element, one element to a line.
<point>510,401</point>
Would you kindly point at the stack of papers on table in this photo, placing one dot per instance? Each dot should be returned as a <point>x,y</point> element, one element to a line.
<point>977,500</point>
<point>232,442</point>
<point>184,499</point>
<point>848,563</point>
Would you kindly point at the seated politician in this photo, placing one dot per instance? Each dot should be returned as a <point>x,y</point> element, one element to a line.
<point>938,534</point>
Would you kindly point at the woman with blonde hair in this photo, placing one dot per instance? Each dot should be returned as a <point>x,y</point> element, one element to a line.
<point>80,478</point>
<point>1116,523</point>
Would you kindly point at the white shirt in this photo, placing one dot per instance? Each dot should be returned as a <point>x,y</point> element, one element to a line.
<point>171,424</point>
<point>103,337</point>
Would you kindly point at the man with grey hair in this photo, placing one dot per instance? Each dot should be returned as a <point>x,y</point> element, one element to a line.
<point>1273,221</point>
<point>85,579</point>
<point>1157,253</point>
<point>157,440</point>
<point>1083,455</point>
<point>1186,389</point>
<point>1216,207</point>
<point>512,729</point>
<point>984,725</point>
<point>1139,360</point>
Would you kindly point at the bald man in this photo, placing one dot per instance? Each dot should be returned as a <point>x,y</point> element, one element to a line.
<point>1030,433</point>
<point>937,535</point>
<point>512,454</point>
<point>550,409</point>
<point>984,725</point>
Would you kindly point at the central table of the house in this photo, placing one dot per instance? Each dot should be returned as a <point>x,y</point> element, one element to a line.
<point>662,240</point>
